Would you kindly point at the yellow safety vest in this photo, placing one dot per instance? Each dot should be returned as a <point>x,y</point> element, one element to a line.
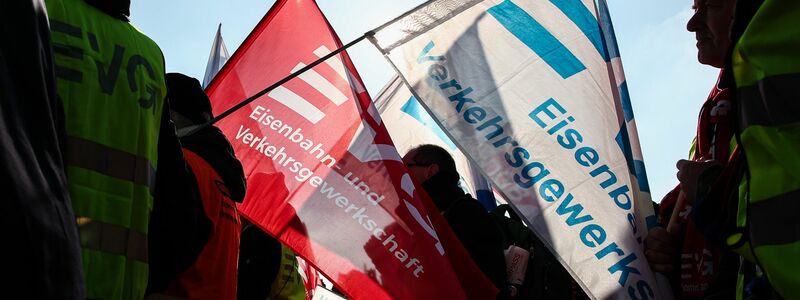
<point>766,65</point>
<point>111,80</point>
<point>288,285</point>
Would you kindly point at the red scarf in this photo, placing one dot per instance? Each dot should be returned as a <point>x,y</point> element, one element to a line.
<point>715,127</point>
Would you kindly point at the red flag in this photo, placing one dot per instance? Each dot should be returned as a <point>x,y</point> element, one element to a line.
<point>323,174</point>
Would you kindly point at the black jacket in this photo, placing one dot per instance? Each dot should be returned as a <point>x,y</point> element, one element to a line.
<point>179,227</point>
<point>474,227</point>
<point>41,249</point>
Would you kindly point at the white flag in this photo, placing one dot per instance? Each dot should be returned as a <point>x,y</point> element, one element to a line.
<point>217,57</point>
<point>529,90</point>
<point>628,138</point>
<point>411,126</point>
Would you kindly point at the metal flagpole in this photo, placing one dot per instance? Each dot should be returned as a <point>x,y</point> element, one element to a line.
<point>279,83</point>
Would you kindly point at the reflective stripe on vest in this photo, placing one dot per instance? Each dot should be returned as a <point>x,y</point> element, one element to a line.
<point>766,66</point>
<point>775,221</point>
<point>113,239</point>
<point>778,113</point>
<point>111,81</point>
<point>111,162</point>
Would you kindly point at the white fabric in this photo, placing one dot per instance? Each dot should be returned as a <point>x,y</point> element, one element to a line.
<point>217,57</point>
<point>526,89</point>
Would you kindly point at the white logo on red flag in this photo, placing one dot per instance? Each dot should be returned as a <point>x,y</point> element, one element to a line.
<point>302,106</point>
<point>323,175</point>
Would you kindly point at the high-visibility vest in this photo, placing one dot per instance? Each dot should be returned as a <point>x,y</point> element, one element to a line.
<point>111,80</point>
<point>766,65</point>
<point>213,274</point>
<point>288,285</point>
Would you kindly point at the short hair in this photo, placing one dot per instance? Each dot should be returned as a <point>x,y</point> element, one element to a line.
<point>432,154</point>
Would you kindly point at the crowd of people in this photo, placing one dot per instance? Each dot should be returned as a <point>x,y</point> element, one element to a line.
<point>120,190</point>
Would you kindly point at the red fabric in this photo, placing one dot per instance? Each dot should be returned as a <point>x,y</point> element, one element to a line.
<point>213,275</point>
<point>715,123</point>
<point>350,210</point>
<point>310,277</point>
<point>698,261</point>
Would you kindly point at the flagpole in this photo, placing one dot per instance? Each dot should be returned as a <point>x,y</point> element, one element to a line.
<point>280,82</point>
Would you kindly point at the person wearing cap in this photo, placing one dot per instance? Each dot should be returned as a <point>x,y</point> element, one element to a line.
<point>220,182</point>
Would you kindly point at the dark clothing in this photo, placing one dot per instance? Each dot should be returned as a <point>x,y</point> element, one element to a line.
<point>260,253</point>
<point>210,143</point>
<point>178,228</point>
<point>474,227</point>
<point>259,263</point>
<point>545,277</point>
<point>706,269</point>
<point>42,250</point>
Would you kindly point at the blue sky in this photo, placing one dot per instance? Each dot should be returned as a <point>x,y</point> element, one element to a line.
<point>667,85</point>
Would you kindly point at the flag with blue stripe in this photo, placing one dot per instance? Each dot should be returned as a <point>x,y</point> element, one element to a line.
<point>533,92</point>
<point>628,137</point>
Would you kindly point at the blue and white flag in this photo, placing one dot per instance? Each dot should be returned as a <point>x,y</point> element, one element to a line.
<point>628,137</point>
<point>409,125</point>
<point>533,92</point>
<point>217,57</point>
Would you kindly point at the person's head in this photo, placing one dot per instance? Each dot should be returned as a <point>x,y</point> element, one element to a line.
<point>427,161</point>
<point>711,24</point>
<point>188,103</point>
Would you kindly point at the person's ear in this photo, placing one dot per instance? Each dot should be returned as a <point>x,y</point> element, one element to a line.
<point>433,169</point>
